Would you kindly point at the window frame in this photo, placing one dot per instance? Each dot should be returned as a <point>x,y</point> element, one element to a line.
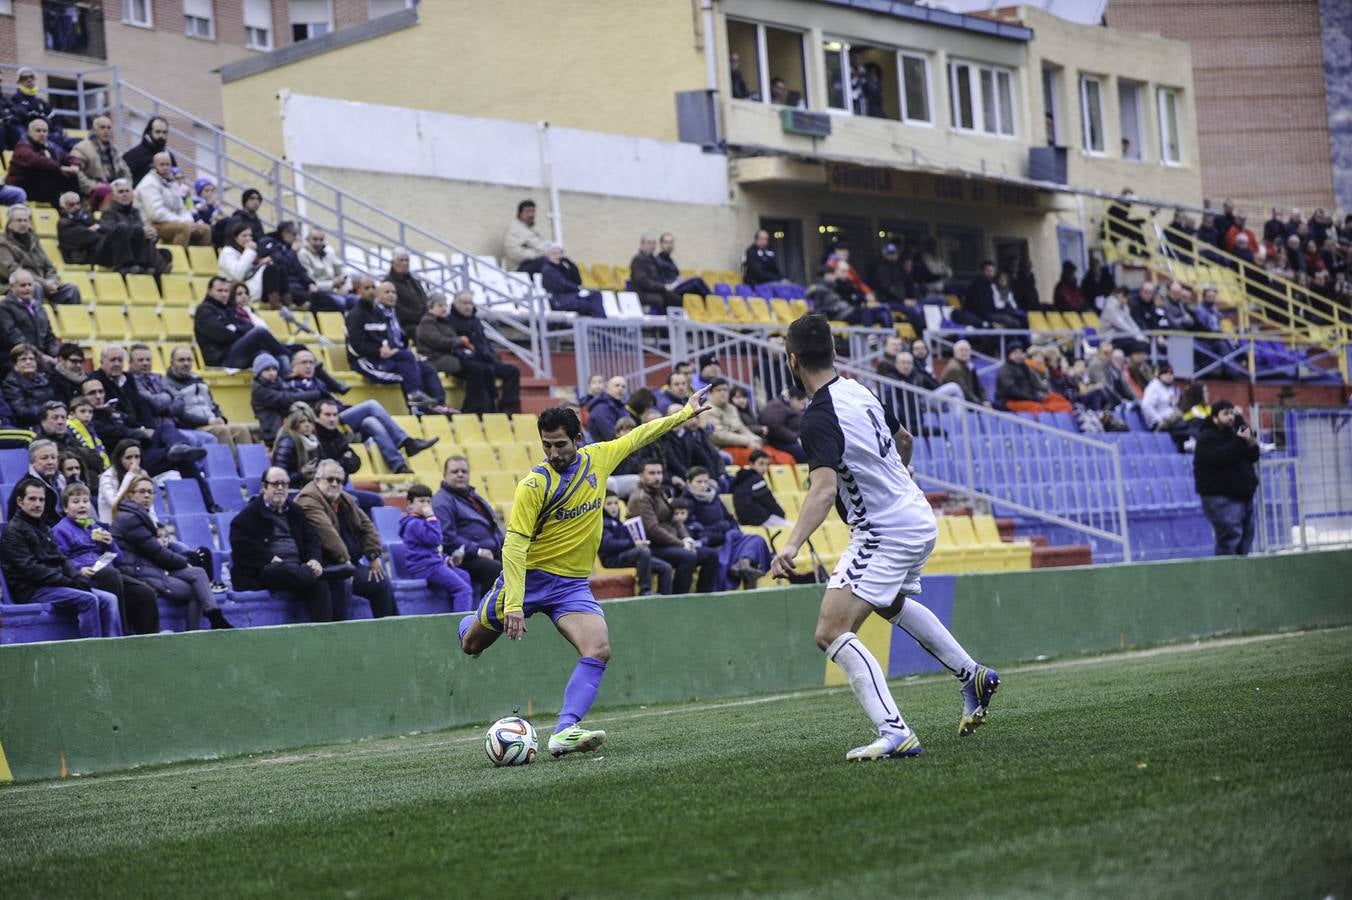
<point>128,6</point>
<point>763,60</point>
<point>976,73</point>
<point>1052,77</point>
<point>269,31</point>
<point>1176,126</point>
<point>929,88</point>
<point>844,53</point>
<point>1085,145</point>
<point>210,20</point>
<point>1141,141</point>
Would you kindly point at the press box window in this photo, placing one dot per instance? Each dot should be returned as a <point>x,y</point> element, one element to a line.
<point>770,57</point>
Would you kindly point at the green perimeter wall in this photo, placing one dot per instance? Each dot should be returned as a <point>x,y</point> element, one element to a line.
<point>105,705</point>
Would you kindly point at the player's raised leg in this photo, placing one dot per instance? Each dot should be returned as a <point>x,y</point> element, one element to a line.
<point>841,615</point>
<point>588,633</point>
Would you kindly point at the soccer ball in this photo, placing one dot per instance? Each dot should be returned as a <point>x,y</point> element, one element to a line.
<point>511,742</point>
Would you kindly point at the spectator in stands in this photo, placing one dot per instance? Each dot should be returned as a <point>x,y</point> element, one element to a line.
<point>438,340</point>
<point>1274,229</point>
<point>1176,308</point>
<point>225,338</point>
<point>1121,224</point>
<point>1067,296</point>
<point>667,540</point>
<point>53,427</point>
<point>561,279</point>
<point>44,467</point>
<point>468,525</point>
<point>410,295</point>
<point>368,419</point>
<point>270,399</point>
<point>26,104</point>
<point>1138,371</point>
<point>740,398</point>
<point>425,557</point>
<point>326,272</point>
<point>731,435</point>
<point>921,355</point>
<point>736,81</point>
<point>620,549</point>
<point>162,197</point>
<point>296,286</point>
<point>40,168</point>
<point>378,349</point>
<point>865,310</point>
<point>80,429</point>
<point>959,371</point>
<point>521,243</point>
<point>1106,377</point>
<point>606,408</point>
<point>596,384</point>
<point>1116,320</point>
<point>346,537</point>
<point>36,571</point>
<point>1238,228</point>
<point>932,271</point>
<point>1017,389</point>
<point>688,446</point>
<point>335,443</point>
<point>1208,235</point>
<point>645,277</point>
<point>1223,470</point>
<point>481,369</point>
<point>1159,406</point>
<point>154,139</point>
<point>83,540</point>
<point>245,214</point>
<point>156,395</point>
<point>273,548</point>
<point>193,406</point>
<point>782,418</point>
<point>752,498</point>
<point>979,303</point>
<point>20,248</point>
<point>128,241</point>
<point>676,390</point>
<point>296,449</point>
<point>709,370</point>
<point>23,320</point>
<point>894,278</point>
<point>78,236</point>
<point>671,273</point>
<point>205,207</point>
<point>624,478</point>
<point>146,557</point>
<point>115,481</point>
<point>1244,249</point>
<point>27,388</point>
<point>741,557</point>
<point>760,265</point>
<point>1097,283</point>
<point>827,295</point>
<point>247,262</point>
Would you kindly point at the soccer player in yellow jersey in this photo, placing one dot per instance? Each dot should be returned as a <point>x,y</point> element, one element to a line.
<point>551,543</point>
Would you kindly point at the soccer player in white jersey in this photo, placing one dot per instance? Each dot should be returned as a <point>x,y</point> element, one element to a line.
<point>859,457</point>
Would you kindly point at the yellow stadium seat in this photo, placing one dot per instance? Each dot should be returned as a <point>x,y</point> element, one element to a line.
<point>1090,318</point>
<point>693,304</point>
<point>177,323</point>
<point>438,427</point>
<point>499,487</point>
<point>146,324</point>
<point>110,288</point>
<point>783,480</point>
<point>792,503</point>
<point>72,323</point>
<point>177,289</point>
<point>426,468</point>
<point>738,311</point>
<point>142,290</point>
<point>517,458</point>
<point>109,323</point>
<point>200,284</point>
<point>44,221</point>
<point>906,331</point>
<point>798,308</point>
<point>498,429</point>
<point>729,277</point>
<point>178,258</point>
<point>760,310</point>
<point>481,459</point>
<point>6,156</point>
<point>335,360</point>
<point>468,429</point>
<point>604,277</point>
<point>621,277</point>
<point>202,260</point>
<point>1037,321</point>
<point>1073,321</point>
<point>526,428</point>
<point>1018,555</point>
<point>332,325</point>
<point>411,424</point>
<point>80,279</point>
<point>1057,321</point>
<point>716,310</point>
<point>711,277</point>
<point>782,311</point>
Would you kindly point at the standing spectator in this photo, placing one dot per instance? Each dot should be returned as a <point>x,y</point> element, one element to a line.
<point>83,540</point>
<point>521,243</point>
<point>163,201</point>
<point>146,557</point>
<point>21,249</point>
<point>346,536</point>
<point>128,242</point>
<point>100,163</point>
<point>667,540</point>
<point>563,282</point>
<point>481,370</point>
<point>959,371</point>
<point>326,272</point>
<point>760,265</point>
<point>620,549</point>
<point>731,435</point>
<point>41,169</point>
<point>606,408</point>
<point>193,405</point>
<point>410,296</point>
<point>378,349</point>
<point>273,548</point>
<point>468,525</point>
<point>36,571</point>
<point>752,499</point>
<point>1097,283</point>
<point>671,273</point>
<point>736,81</point>
<point>425,554</point>
<point>228,340</point>
<point>1223,468</point>
<point>782,418</point>
<point>154,139</point>
<point>27,389</point>
<point>741,557</point>
<point>645,277</point>
<point>1067,296</point>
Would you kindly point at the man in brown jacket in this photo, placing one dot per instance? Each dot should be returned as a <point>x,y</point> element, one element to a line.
<point>346,534</point>
<point>667,540</point>
<point>959,372</point>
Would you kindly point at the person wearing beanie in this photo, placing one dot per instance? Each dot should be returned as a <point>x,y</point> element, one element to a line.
<point>269,397</point>
<point>249,202</point>
<point>205,206</point>
<point>1223,471</point>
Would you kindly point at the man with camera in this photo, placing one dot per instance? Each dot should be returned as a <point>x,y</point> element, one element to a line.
<point>1223,467</point>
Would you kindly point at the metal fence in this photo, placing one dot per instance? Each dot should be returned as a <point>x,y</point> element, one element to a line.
<point>1305,478</point>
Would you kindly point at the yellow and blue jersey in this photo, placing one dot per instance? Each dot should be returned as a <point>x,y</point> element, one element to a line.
<point>555,524</point>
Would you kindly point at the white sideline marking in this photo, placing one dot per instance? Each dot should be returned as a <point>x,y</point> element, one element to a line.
<point>390,746</point>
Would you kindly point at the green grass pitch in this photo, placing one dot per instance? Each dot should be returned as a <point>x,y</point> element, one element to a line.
<point>1216,770</point>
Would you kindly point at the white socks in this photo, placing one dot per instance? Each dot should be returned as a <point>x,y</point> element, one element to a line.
<point>868,682</point>
<point>931,634</point>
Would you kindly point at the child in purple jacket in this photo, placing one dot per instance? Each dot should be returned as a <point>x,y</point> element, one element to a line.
<point>424,558</point>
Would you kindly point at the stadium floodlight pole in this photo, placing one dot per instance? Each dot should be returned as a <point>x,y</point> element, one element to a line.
<point>547,171</point>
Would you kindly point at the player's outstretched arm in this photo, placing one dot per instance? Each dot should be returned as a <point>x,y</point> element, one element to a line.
<point>609,454</point>
<point>526,505</point>
<point>821,497</point>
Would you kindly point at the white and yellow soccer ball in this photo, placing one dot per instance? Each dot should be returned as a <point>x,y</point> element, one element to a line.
<point>511,742</point>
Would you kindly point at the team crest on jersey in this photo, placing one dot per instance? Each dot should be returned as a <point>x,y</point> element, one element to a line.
<point>591,481</point>
<point>532,483</point>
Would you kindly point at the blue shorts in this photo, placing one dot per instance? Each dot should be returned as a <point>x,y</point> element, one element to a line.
<point>546,592</point>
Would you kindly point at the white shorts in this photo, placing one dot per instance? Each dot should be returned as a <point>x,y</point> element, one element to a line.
<point>878,571</point>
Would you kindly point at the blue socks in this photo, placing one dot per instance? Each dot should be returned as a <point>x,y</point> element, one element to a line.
<point>580,693</point>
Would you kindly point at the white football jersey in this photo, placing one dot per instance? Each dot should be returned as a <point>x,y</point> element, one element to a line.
<point>847,429</point>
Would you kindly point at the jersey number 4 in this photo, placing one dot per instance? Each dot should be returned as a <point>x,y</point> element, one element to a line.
<point>879,432</point>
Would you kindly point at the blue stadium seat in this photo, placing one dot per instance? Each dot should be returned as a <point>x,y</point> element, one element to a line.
<point>13,466</point>
<point>195,530</point>
<point>228,492</point>
<point>185,497</point>
<point>253,462</point>
<point>386,519</point>
<point>219,461</point>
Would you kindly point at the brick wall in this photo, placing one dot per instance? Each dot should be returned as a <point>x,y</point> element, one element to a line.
<point>1259,77</point>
